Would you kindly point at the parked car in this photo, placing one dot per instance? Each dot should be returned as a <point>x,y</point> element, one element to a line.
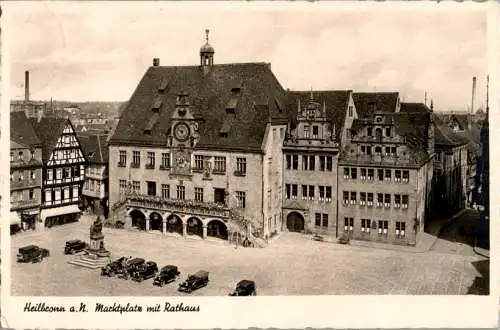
<point>244,288</point>
<point>74,246</point>
<point>194,282</point>
<point>145,271</point>
<point>32,253</point>
<point>166,275</point>
<point>114,267</point>
<point>131,266</point>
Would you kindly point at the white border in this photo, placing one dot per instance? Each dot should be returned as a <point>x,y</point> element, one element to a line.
<point>285,311</point>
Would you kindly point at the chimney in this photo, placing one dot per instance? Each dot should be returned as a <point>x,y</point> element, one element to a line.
<point>472,102</point>
<point>26,85</point>
<point>156,61</point>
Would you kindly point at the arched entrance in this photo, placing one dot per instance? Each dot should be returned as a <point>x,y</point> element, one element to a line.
<point>217,228</point>
<point>156,221</point>
<point>194,227</point>
<point>138,219</point>
<point>295,222</point>
<point>174,224</point>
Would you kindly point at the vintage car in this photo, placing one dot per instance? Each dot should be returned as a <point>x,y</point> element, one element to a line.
<point>244,288</point>
<point>74,246</point>
<point>114,267</point>
<point>194,282</point>
<point>32,253</point>
<point>145,271</point>
<point>131,266</point>
<point>166,275</point>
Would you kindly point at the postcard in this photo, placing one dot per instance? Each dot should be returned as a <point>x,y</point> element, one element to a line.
<point>239,164</point>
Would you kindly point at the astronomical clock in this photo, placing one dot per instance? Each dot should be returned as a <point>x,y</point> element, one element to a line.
<point>184,136</point>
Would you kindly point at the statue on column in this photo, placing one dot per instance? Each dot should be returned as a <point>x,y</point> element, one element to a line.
<point>97,240</point>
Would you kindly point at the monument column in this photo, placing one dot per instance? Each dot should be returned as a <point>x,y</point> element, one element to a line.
<point>164,227</point>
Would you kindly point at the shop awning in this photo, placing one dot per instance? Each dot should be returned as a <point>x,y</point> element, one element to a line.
<point>15,219</point>
<point>68,209</point>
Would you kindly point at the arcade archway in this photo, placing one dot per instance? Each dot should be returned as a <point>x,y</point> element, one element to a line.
<point>295,222</point>
<point>218,229</point>
<point>174,224</point>
<point>195,227</point>
<point>155,221</point>
<point>138,219</point>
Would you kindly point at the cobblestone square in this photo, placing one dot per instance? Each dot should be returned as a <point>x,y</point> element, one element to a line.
<point>292,265</point>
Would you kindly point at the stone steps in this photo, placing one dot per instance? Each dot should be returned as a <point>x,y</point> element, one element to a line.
<point>87,262</point>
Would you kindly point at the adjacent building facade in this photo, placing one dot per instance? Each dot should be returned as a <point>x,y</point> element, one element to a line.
<point>25,173</point>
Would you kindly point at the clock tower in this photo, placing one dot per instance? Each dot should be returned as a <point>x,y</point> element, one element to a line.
<point>183,136</point>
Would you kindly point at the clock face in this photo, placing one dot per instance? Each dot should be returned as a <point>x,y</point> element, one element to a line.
<point>181,131</point>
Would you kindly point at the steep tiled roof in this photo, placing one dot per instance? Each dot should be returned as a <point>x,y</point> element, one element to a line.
<point>445,136</point>
<point>22,131</point>
<point>260,98</point>
<point>414,107</point>
<point>94,147</point>
<point>367,103</point>
<point>49,130</point>
<point>335,102</point>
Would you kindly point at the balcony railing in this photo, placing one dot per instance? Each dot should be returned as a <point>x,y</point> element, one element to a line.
<point>24,204</point>
<point>175,205</point>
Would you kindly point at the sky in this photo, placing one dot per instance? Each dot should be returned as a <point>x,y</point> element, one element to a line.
<point>99,52</point>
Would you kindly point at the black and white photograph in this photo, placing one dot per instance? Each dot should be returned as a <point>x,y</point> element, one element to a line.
<point>163,150</point>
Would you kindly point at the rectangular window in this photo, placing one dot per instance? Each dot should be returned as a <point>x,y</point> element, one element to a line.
<point>75,192</point>
<point>321,193</point>
<point>354,173</point>
<point>122,188</point>
<point>165,191</point>
<point>380,175</point>
<point>136,158</point>
<point>387,200</point>
<point>240,196</point>
<point>151,160</point>
<point>348,224</point>
<point>295,162</point>
<point>325,220</point>
<point>404,202</point>
<point>363,174</point>
<point>49,175</point>
<point>347,172</point>
<point>12,156</point>
<point>317,219</point>
<point>312,163</point>
<point>32,175</point>
<point>363,149</point>
<point>322,163</point>
<point>294,191</point>
<point>311,192</point>
<point>397,201</point>
<point>353,197</point>
<point>328,193</point>
<point>383,226</point>
<point>305,163</point>
<point>362,198</point>
<point>87,184</point>
<point>369,131</point>
<point>123,158</point>
<point>388,175</point>
<point>57,194</point>
<point>315,132</point>
<point>365,225</point>
<point>59,173</point>
<point>388,131</point>
<point>368,150</point>
<point>288,159</point>
<point>400,229</point>
<point>350,109</point>
<point>241,165</point>
<point>387,151</point>
<point>48,196</point>
<point>329,163</point>
<point>393,151</point>
<point>199,162</point>
<point>31,194</point>
<point>165,160</point>
<point>406,176</point>
<point>380,200</point>
<point>136,187</point>
<point>305,195</point>
<point>220,164</point>
<point>181,192</point>
<point>397,175</point>
<point>370,174</point>
<point>151,188</point>
<point>370,199</point>
<point>288,191</point>
<point>346,197</point>
<point>20,157</point>
<point>198,194</point>
<point>306,131</point>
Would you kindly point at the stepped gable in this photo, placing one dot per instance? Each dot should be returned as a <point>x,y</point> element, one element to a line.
<point>22,131</point>
<point>259,95</point>
<point>336,102</point>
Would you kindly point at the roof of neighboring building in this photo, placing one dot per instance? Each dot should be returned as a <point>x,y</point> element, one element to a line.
<point>414,107</point>
<point>49,130</point>
<point>95,147</point>
<point>259,100</point>
<point>57,114</point>
<point>22,131</point>
<point>367,103</point>
<point>335,101</point>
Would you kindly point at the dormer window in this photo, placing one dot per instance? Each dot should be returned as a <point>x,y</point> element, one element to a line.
<point>156,105</point>
<point>163,86</point>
